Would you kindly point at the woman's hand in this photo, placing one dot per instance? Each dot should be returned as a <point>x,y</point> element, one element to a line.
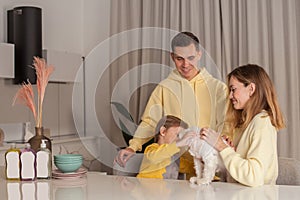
<point>228,141</point>
<point>213,138</point>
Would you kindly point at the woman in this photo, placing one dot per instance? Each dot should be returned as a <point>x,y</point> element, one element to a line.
<point>254,117</point>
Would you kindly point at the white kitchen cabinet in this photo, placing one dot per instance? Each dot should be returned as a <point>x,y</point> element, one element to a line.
<point>66,64</point>
<point>7,61</point>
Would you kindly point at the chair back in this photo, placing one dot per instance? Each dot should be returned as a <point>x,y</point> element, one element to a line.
<point>288,171</point>
<point>131,168</point>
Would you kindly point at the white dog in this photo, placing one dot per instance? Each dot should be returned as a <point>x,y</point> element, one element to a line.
<point>207,160</point>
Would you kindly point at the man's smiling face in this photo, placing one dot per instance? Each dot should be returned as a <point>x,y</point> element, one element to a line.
<point>186,60</point>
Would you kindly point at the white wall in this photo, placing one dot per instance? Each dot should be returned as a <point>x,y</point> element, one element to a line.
<point>68,25</point>
<point>96,23</point>
<point>75,26</point>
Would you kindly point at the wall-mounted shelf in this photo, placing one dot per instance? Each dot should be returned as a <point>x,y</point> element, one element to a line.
<point>7,61</point>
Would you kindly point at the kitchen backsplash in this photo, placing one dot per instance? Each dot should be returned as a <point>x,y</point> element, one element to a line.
<point>14,132</point>
<point>57,109</point>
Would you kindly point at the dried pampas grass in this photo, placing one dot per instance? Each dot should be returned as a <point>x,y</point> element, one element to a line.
<point>25,94</point>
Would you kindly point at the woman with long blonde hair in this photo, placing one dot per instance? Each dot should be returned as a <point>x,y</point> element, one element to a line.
<point>263,99</point>
<point>254,117</point>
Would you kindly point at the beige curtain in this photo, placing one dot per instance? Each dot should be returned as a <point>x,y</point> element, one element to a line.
<point>233,32</point>
<point>267,33</point>
<point>174,15</point>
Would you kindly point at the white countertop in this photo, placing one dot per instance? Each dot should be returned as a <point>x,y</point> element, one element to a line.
<point>98,186</point>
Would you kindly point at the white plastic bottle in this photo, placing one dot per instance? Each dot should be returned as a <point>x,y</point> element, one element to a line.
<point>12,160</point>
<point>28,164</point>
<point>43,162</point>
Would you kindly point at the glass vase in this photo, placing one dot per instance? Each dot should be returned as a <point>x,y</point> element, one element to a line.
<point>36,141</point>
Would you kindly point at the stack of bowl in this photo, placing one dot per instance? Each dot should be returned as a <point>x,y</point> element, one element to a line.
<point>68,163</point>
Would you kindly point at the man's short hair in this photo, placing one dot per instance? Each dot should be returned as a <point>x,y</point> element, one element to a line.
<point>184,39</point>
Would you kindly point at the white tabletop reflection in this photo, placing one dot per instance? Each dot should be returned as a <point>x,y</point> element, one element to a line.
<point>98,186</point>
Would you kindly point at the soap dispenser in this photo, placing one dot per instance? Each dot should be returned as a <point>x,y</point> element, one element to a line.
<point>43,161</point>
<point>12,161</point>
<point>28,163</point>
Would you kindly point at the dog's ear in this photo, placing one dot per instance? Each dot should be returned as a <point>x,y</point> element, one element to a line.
<point>181,133</point>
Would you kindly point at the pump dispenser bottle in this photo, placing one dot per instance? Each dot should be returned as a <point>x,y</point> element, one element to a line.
<point>43,161</point>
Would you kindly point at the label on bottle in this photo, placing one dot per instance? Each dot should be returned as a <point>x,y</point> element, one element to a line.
<point>28,168</point>
<point>42,164</point>
<point>12,168</point>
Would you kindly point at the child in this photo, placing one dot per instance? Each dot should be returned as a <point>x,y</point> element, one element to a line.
<point>161,159</point>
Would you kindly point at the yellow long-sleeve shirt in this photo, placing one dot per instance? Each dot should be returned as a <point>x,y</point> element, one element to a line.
<point>254,162</point>
<point>156,159</point>
<point>199,102</point>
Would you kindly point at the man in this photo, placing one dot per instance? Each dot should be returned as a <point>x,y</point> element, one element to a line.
<point>189,92</point>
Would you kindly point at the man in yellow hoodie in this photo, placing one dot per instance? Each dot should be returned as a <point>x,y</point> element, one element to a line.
<point>189,92</point>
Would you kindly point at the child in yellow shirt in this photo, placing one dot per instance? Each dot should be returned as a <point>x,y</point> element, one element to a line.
<point>161,159</point>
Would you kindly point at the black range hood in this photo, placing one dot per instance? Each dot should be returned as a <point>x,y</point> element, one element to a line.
<point>25,32</point>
